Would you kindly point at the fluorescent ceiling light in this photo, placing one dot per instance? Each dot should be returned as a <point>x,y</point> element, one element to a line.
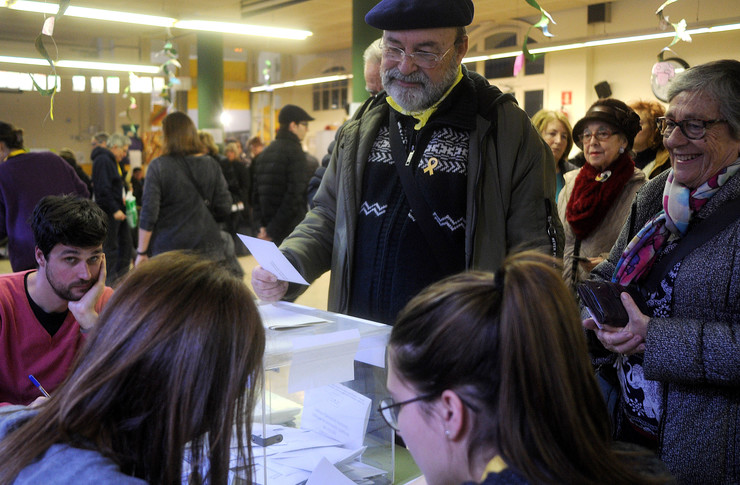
<point>106,66</point>
<point>99,66</point>
<point>242,29</point>
<point>300,82</point>
<point>92,13</point>
<point>156,21</point>
<point>602,42</point>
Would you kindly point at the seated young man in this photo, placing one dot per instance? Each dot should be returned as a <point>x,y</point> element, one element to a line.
<point>44,313</point>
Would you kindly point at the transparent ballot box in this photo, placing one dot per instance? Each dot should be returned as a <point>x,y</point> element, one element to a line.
<point>316,419</point>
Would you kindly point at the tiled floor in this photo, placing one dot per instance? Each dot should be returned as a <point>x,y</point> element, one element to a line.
<point>315,296</point>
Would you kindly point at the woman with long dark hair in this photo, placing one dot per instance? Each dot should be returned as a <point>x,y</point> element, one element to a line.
<point>487,386</point>
<point>170,370</point>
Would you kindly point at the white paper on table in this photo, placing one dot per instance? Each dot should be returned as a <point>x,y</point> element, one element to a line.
<point>279,475</point>
<point>309,459</point>
<point>278,318</point>
<point>293,440</point>
<point>269,257</point>
<point>337,412</point>
<point>320,360</point>
<point>356,470</point>
<point>325,473</point>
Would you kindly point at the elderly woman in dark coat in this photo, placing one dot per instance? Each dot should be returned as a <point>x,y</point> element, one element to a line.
<point>678,368</point>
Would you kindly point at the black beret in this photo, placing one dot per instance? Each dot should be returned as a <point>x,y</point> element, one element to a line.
<point>420,14</point>
<point>614,112</point>
<point>291,112</point>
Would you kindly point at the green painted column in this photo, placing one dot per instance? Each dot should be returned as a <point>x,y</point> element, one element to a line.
<point>362,36</point>
<point>210,79</point>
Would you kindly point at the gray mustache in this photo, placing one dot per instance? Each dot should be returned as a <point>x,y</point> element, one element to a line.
<point>414,77</point>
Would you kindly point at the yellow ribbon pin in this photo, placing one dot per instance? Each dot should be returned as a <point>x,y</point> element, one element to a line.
<point>431,165</point>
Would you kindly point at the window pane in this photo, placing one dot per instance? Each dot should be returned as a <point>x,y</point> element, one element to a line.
<point>533,101</point>
<point>496,68</point>
<point>535,67</point>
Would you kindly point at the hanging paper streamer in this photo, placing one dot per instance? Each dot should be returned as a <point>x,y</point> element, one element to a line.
<point>679,28</point>
<point>132,79</point>
<point>543,23</point>
<point>48,30</point>
<point>169,69</point>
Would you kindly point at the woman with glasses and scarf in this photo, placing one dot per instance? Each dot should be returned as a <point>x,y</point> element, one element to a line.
<point>486,387</point>
<point>596,199</point>
<point>677,368</point>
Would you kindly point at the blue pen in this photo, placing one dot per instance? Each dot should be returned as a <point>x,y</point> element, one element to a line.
<point>38,384</point>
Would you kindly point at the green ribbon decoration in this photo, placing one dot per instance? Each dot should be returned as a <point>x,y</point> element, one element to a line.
<point>41,49</point>
<point>543,23</point>
<point>46,92</point>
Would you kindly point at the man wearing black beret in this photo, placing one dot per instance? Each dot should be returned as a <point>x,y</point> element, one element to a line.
<point>279,177</point>
<point>448,174</point>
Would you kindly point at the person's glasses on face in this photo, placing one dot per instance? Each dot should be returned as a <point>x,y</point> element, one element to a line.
<point>425,60</point>
<point>600,135</point>
<point>304,123</point>
<point>389,408</point>
<point>691,129</point>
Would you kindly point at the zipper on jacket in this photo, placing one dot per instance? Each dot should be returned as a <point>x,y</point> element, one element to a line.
<point>551,231</point>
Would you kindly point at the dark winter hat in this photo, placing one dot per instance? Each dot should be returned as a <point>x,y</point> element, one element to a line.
<point>420,14</point>
<point>612,111</point>
<point>291,112</point>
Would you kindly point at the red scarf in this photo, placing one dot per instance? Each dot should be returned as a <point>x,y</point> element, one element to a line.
<point>590,200</point>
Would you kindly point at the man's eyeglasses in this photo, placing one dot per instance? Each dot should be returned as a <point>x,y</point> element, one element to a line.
<point>425,60</point>
<point>691,129</point>
<point>600,135</point>
<point>389,409</point>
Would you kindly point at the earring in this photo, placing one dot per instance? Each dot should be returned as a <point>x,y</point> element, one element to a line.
<point>447,433</point>
<point>621,149</point>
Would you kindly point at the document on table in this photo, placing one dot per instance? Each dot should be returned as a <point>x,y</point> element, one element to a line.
<point>337,412</point>
<point>301,452</point>
<point>269,257</point>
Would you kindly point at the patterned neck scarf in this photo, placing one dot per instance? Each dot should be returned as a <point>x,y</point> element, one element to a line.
<point>680,203</point>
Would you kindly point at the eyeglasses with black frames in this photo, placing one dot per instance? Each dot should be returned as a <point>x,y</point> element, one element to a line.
<point>423,59</point>
<point>389,409</point>
<point>691,129</point>
<point>600,135</point>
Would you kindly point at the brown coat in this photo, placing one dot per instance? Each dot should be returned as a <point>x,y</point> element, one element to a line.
<point>601,240</point>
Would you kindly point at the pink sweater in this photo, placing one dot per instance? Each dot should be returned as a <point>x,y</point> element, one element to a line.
<point>27,348</point>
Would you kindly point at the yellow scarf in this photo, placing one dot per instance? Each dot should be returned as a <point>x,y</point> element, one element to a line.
<point>496,465</point>
<point>19,151</point>
<point>423,116</point>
